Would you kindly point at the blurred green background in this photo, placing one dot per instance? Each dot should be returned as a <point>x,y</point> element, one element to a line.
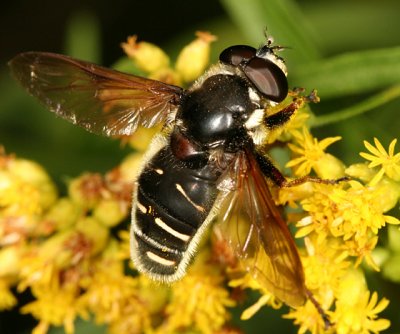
<point>348,50</point>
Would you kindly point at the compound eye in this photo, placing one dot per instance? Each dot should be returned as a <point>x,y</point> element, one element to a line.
<point>268,78</point>
<point>234,55</point>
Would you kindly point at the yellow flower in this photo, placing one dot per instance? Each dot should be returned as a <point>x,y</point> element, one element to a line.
<point>388,193</point>
<point>20,180</point>
<point>126,303</point>
<point>17,197</point>
<point>355,311</point>
<point>355,215</point>
<point>9,271</point>
<point>362,317</point>
<point>108,292</point>
<point>90,238</point>
<point>65,252</point>
<point>10,261</point>
<point>63,214</point>
<point>124,246</point>
<point>363,249</point>
<point>246,281</point>
<point>32,173</point>
<point>356,308</point>
<point>194,57</point>
<point>7,299</point>
<point>360,171</point>
<point>389,162</point>
<point>360,211</point>
<point>39,268</point>
<point>198,301</point>
<point>147,56</point>
<point>190,64</point>
<point>324,266</point>
<point>141,138</point>
<point>87,189</point>
<point>55,305</point>
<point>134,319</point>
<point>109,212</point>
<point>292,195</point>
<point>295,123</point>
<point>307,318</point>
<point>321,214</point>
<point>25,188</point>
<point>310,155</point>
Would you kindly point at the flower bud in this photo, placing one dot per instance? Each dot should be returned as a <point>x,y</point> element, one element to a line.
<point>351,287</point>
<point>388,192</point>
<point>28,171</point>
<point>148,57</point>
<point>155,301</point>
<point>54,250</point>
<point>63,213</point>
<point>93,230</point>
<point>167,75</point>
<point>109,212</point>
<point>194,58</point>
<point>18,197</point>
<point>86,189</point>
<point>9,261</point>
<point>329,167</point>
<point>142,137</point>
<point>130,166</point>
<point>6,186</point>
<point>32,174</point>
<point>360,171</point>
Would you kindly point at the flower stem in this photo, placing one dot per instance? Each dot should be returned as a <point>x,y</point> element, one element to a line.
<point>366,105</point>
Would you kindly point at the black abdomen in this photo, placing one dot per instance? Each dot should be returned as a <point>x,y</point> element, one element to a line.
<point>173,202</point>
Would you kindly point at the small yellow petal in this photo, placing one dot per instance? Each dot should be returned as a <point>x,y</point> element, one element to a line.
<point>371,148</point>
<point>378,176</point>
<point>253,309</point>
<point>391,146</point>
<point>379,146</point>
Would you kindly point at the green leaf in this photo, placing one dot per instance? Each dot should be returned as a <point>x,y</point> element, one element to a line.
<point>351,25</point>
<point>372,102</point>
<point>83,39</point>
<point>351,73</point>
<point>283,19</point>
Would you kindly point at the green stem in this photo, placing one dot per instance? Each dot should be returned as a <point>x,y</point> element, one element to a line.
<point>366,105</point>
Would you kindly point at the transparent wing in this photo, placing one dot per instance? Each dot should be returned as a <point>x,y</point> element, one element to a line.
<point>98,99</point>
<point>253,227</point>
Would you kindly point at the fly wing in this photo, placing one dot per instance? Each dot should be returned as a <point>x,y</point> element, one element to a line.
<point>101,100</point>
<point>253,227</point>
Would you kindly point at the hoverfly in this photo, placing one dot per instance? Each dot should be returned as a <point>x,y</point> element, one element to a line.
<point>207,164</point>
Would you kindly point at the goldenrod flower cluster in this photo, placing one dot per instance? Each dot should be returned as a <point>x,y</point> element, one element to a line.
<point>340,226</point>
<point>190,64</point>
<point>72,251</point>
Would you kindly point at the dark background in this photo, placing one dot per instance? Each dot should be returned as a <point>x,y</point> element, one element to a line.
<point>40,25</point>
